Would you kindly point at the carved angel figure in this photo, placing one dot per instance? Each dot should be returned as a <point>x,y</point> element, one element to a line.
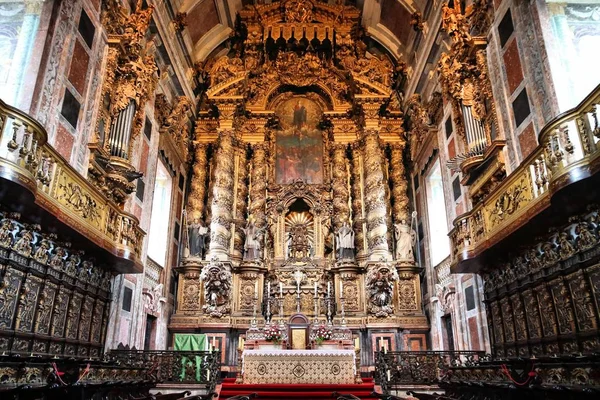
<point>41,253</point>
<point>6,232</point>
<point>380,287</point>
<point>58,258</point>
<point>23,244</point>
<point>217,289</point>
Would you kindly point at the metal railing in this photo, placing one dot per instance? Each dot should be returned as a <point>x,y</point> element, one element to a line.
<point>193,367</point>
<point>29,161</point>
<point>395,368</point>
<point>569,146</point>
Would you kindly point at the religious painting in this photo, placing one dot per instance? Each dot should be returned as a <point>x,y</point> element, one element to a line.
<point>299,145</point>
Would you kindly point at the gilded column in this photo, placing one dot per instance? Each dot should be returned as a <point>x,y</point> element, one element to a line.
<point>341,195</point>
<point>399,184</point>
<point>195,206</point>
<point>388,203</point>
<point>240,202</point>
<point>258,184</point>
<point>358,209</point>
<point>222,197</point>
<point>211,185</point>
<point>375,197</point>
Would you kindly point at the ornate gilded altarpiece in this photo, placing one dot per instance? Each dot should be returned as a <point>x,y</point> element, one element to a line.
<point>298,178</point>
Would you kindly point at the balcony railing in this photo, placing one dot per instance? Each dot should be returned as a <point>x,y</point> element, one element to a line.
<point>567,377</point>
<point>191,367</point>
<point>26,159</point>
<point>397,368</point>
<point>567,153</point>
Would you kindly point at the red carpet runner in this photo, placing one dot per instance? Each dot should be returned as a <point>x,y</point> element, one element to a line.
<point>300,391</point>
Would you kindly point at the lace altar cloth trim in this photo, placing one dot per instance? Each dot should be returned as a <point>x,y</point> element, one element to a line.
<point>327,366</point>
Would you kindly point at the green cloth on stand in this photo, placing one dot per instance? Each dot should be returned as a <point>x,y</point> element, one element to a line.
<point>190,342</point>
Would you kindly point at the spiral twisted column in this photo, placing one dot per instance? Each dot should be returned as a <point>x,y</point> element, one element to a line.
<point>388,203</point>
<point>399,184</point>
<point>358,209</point>
<point>375,199</point>
<point>222,197</point>
<point>341,194</point>
<point>240,201</point>
<point>211,185</point>
<point>195,204</point>
<point>258,184</point>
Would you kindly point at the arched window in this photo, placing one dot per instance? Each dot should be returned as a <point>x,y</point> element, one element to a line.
<point>439,243</point>
<point>158,240</point>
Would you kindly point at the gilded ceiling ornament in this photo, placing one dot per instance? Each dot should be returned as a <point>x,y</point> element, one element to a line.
<point>299,11</point>
<point>298,71</point>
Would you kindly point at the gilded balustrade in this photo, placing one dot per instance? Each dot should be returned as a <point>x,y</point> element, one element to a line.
<point>29,161</point>
<point>568,152</point>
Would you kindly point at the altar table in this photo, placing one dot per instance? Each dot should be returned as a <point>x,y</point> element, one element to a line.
<point>329,366</point>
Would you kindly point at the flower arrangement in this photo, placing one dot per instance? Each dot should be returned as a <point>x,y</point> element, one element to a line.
<point>273,334</point>
<point>323,333</point>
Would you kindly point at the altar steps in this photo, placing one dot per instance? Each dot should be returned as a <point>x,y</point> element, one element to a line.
<point>296,391</point>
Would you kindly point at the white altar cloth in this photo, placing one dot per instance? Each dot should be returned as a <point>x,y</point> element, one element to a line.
<point>327,366</point>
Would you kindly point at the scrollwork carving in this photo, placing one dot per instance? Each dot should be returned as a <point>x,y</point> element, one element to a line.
<point>217,280</point>
<point>380,287</point>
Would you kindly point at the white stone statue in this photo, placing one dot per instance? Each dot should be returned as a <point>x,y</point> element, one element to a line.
<point>252,244</point>
<point>406,238</point>
<point>345,242</point>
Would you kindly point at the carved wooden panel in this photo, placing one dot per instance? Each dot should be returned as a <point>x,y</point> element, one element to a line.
<point>96,326</point>
<point>86,319</point>
<point>44,311</point>
<point>564,310</point>
<point>533,314</point>
<point>519,317</point>
<point>581,293</point>
<point>9,296</point>
<point>73,315</point>
<point>547,313</point>
<point>27,303</point>
<point>60,311</point>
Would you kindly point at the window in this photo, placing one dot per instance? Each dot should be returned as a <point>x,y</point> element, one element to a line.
<point>70,108</point>
<point>139,191</point>
<point>127,299</point>
<point>86,28</point>
<point>572,42</point>
<point>158,241</point>
<point>439,244</point>
<point>448,127</point>
<point>18,29</point>
<point>521,107</point>
<point>470,297</point>
<point>456,188</point>
<point>148,129</point>
<point>505,28</point>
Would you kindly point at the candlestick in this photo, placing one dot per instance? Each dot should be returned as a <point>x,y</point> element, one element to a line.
<point>328,289</point>
<point>281,323</point>
<point>269,289</point>
<point>280,289</point>
<point>316,321</point>
<point>268,316</point>
<point>388,375</point>
<point>298,299</point>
